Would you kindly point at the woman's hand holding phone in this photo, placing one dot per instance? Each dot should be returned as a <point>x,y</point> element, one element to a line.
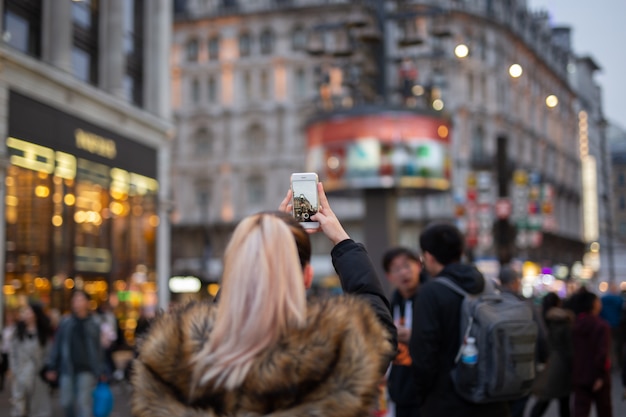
<point>329,224</point>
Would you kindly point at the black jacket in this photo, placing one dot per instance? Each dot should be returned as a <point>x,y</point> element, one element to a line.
<point>358,276</point>
<point>435,341</point>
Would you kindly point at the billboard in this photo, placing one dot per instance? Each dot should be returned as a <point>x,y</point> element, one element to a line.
<point>381,149</point>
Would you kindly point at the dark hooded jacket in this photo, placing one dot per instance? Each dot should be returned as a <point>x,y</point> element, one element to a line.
<point>556,379</point>
<point>592,341</point>
<point>435,342</point>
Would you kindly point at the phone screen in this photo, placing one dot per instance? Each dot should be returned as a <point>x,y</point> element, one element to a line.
<point>305,202</point>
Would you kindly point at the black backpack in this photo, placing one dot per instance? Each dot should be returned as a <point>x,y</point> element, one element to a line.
<point>506,336</point>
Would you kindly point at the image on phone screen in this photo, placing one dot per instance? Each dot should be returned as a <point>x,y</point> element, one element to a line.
<point>304,200</point>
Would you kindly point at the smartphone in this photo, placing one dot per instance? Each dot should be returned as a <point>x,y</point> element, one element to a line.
<point>305,200</point>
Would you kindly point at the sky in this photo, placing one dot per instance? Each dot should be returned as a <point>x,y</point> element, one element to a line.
<point>599,31</point>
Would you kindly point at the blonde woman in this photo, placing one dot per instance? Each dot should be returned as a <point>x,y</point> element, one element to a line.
<point>263,350</point>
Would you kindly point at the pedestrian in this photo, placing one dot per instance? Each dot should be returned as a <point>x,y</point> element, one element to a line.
<point>262,349</point>
<point>555,381</point>
<point>30,395</point>
<point>108,335</point>
<point>5,346</point>
<point>76,358</point>
<point>435,337</point>
<point>612,311</point>
<point>591,371</point>
<point>402,268</point>
<point>511,285</point>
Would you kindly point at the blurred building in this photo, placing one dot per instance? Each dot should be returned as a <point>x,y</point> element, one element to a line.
<point>616,137</point>
<point>248,78</point>
<point>85,117</point>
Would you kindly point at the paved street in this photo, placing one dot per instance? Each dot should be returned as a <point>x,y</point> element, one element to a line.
<point>122,391</point>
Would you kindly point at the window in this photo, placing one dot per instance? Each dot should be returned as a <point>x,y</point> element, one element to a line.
<point>133,49</point>
<point>195,91</point>
<point>265,85</point>
<point>622,228</point>
<point>192,50</point>
<point>203,197</point>
<point>300,81</point>
<point>267,42</point>
<point>255,138</point>
<point>85,40</point>
<point>622,203</point>
<point>298,39</point>
<point>214,48</point>
<point>203,142</point>
<point>212,89</point>
<point>247,85</point>
<point>255,191</point>
<point>478,143</point>
<point>245,44</point>
<point>620,179</point>
<point>22,25</point>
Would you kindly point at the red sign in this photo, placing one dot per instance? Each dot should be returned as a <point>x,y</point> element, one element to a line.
<point>503,208</point>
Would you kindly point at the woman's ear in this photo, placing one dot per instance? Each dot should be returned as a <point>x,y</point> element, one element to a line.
<point>308,276</point>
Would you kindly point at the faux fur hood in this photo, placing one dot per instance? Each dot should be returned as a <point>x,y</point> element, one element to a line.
<point>330,368</point>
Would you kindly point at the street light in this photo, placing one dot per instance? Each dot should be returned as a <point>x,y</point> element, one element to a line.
<point>461,51</point>
<point>515,70</point>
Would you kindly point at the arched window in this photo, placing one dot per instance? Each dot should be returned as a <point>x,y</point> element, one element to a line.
<point>245,44</point>
<point>298,39</point>
<point>267,42</point>
<point>192,50</point>
<point>203,141</point>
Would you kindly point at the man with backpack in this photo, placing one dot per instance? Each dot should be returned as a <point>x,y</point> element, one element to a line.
<point>436,335</point>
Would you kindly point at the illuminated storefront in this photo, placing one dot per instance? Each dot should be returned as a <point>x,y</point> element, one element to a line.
<point>81,211</point>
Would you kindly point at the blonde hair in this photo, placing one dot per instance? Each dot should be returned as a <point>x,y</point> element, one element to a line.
<point>262,297</point>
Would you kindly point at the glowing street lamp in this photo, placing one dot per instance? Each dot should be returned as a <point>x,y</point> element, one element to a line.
<point>552,101</point>
<point>461,50</point>
<point>515,70</point>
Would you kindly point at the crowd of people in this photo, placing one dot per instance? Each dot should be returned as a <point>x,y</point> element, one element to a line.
<point>65,357</point>
<point>264,348</point>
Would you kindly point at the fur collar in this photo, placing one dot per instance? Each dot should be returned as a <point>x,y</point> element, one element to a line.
<point>330,368</point>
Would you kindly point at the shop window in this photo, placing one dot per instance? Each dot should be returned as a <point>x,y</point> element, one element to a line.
<point>245,44</point>
<point>214,48</point>
<point>85,16</point>
<point>133,49</point>
<point>22,25</point>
